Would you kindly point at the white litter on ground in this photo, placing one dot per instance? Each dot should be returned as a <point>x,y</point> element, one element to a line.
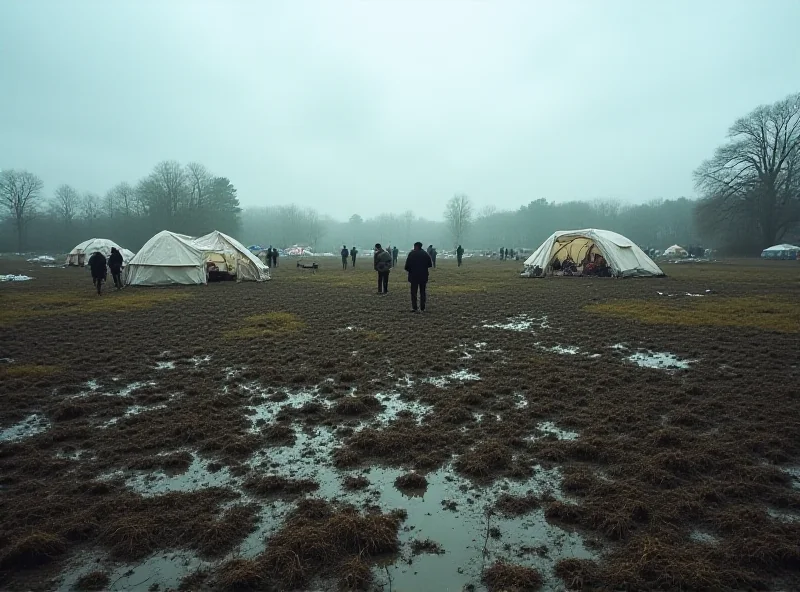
<point>459,375</point>
<point>165,365</point>
<point>549,428</point>
<point>521,322</point>
<point>15,278</point>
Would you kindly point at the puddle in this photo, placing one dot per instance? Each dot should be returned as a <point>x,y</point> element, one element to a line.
<point>619,347</point>
<point>700,536</point>
<point>549,428</point>
<point>794,473</point>
<point>165,365</point>
<point>269,410</point>
<point>393,404</point>
<point>197,476</point>
<point>521,322</point>
<point>165,569</point>
<point>92,387</point>
<point>660,360</point>
<point>459,375</point>
<point>131,411</point>
<point>30,426</point>
<point>569,350</point>
<point>784,515</point>
<point>521,402</point>
<point>15,278</point>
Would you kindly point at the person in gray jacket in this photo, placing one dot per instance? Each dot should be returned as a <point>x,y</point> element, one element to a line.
<point>383,264</point>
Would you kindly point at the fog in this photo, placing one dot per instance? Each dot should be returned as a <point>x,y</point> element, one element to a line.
<point>375,107</point>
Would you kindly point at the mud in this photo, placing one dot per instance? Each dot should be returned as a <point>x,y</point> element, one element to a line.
<point>586,467</point>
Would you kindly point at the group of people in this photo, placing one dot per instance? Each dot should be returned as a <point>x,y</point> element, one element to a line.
<point>99,266</point>
<point>271,256</point>
<point>592,264</point>
<point>353,253</point>
<point>417,265</point>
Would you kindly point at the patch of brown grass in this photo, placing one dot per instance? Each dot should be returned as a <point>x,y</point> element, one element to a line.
<point>29,370</point>
<point>275,485</point>
<point>270,324</point>
<point>513,505</point>
<point>507,577</point>
<point>33,550</point>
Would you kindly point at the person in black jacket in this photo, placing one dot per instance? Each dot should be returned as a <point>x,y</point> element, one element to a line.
<point>459,254</point>
<point>353,253</point>
<point>417,265</point>
<point>97,263</point>
<point>115,265</point>
<point>345,254</point>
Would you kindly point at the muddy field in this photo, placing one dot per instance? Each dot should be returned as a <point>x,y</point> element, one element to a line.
<point>306,433</point>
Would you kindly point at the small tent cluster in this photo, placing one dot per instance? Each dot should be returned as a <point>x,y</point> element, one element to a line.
<point>80,254</point>
<point>784,251</point>
<point>621,256</point>
<point>172,258</point>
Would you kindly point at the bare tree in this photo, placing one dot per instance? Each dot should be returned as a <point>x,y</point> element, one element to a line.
<point>124,199</point>
<point>487,212</point>
<point>19,194</point>
<point>90,205</point>
<point>459,215</point>
<point>757,173</point>
<point>199,180</point>
<point>66,202</point>
<point>315,227</point>
<point>165,188</point>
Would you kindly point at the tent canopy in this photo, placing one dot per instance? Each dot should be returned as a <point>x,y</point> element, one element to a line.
<point>82,251</point>
<point>676,250</point>
<point>624,257</point>
<point>784,251</point>
<point>172,258</point>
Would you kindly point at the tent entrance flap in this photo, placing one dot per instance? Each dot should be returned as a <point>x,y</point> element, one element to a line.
<point>577,249</point>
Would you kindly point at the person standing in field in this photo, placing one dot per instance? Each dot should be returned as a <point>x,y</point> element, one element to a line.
<point>434,252</point>
<point>115,265</point>
<point>383,264</point>
<point>459,254</point>
<point>417,265</point>
<point>344,253</point>
<point>353,253</point>
<point>395,252</point>
<point>275,256</point>
<point>97,264</point>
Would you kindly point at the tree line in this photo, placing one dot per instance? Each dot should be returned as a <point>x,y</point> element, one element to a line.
<point>187,199</point>
<point>749,199</point>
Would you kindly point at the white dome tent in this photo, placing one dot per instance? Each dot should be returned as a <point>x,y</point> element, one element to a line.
<point>784,251</point>
<point>79,255</point>
<point>676,251</point>
<point>624,258</point>
<point>172,258</point>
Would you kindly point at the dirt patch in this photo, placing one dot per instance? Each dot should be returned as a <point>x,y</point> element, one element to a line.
<point>355,482</point>
<point>411,483</point>
<point>502,576</point>
<point>418,547</point>
<point>514,505</point>
<point>274,485</point>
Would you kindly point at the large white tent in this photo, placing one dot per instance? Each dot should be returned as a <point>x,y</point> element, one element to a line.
<point>172,258</point>
<point>624,258</point>
<point>676,251</point>
<point>82,251</point>
<point>784,251</point>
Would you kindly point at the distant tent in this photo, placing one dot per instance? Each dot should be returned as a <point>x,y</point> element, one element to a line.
<point>623,257</point>
<point>676,251</point>
<point>82,251</point>
<point>172,258</point>
<point>784,251</point>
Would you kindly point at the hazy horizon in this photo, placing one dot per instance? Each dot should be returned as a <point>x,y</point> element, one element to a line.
<point>371,107</point>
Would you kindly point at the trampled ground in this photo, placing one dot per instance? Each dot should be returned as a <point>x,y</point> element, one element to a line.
<point>523,434</point>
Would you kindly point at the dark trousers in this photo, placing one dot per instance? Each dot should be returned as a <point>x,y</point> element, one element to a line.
<point>116,275</point>
<point>354,260</point>
<point>98,282</point>
<point>423,297</point>
<point>274,262</point>
<point>383,282</point>
<point>344,262</point>
<point>459,261</point>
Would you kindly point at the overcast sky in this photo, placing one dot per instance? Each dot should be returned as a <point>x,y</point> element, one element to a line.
<point>387,105</point>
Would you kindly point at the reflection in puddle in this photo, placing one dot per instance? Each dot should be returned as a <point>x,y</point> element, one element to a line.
<point>30,426</point>
<point>661,360</point>
<point>269,410</point>
<point>794,473</point>
<point>165,569</point>
<point>393,404</point>
<point>550,429</point>
<point>700,536</point>
<point>460,375</point>
<point>92,388</point>
<point>197,476</point>
<point>520,322</point>
<point>784,515</point>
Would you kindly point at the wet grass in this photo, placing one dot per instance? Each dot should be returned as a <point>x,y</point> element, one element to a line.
<point>29,370</point>
<point>770,313</point>
<point>21,306</point>
<point>270,324</point>
<point>656,455</point>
